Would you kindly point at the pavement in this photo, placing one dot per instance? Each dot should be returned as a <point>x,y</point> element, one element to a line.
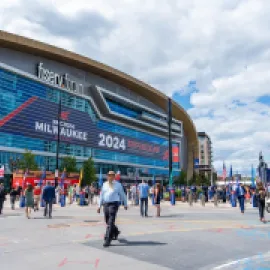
<point>183,237</point>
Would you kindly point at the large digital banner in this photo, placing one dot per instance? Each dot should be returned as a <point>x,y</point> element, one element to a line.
<point>37,118</point>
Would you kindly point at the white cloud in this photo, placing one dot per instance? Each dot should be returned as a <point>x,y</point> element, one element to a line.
<point>222,45</point>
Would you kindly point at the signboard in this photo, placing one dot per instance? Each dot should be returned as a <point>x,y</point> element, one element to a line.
<point>33,180</point>
<point>2,171</point>
<point>56,79</point>
<point>175,153</point>
<point>37,118</point>
<point>196,163</point>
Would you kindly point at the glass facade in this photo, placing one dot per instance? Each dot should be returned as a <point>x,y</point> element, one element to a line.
<point>16,90</point>
<point>121,109</point>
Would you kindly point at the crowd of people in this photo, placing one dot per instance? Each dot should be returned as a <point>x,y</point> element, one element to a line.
<point>114,194</point>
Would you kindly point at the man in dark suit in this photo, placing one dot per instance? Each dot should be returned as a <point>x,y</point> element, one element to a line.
<point>48,196</point>
<point>2,197</point>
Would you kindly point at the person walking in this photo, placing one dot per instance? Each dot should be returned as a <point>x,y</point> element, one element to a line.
<point>203,199</point>
<point>261,194</point>
<point>190,198</point>
<point>13,195</point>
<point>48,196</point>
<point>224,194</point>
<point>112,193</point>
<point>143,193</point>
<point>2,197</point>
<point>133,192</point>
<point>29,200</point>
<point>157,194</point>
<point>37,194</point>
<point>183,193</point>
<point>92,194</point>
<point>96,195</point>
<point>70,194</point>
<point>240,193</point>
<point>215,196</point>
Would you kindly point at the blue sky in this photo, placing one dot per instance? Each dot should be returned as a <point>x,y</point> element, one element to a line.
<point>183,100</point>
<point>182,96</point>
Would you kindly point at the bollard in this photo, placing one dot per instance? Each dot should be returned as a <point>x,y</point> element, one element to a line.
<point>172,197</point>
<point>63,200</point>
<point>254,200</point>
<point>22,201</point>
<point>81,199</point>
<point>42,203</point>
<point>233,199</point>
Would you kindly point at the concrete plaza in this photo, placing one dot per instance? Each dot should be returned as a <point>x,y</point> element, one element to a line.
<point>183,238</point>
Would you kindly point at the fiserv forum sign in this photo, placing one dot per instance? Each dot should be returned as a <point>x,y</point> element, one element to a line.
<point>56,79</point>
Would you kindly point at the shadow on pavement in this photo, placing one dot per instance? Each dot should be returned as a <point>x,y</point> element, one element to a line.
<point>10,215</point>
<point>172,216</point>
<point>53,217</point>
<point>124,242</point>
<point>91,221</point>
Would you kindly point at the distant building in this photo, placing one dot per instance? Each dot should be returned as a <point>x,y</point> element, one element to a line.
<point>262,169</point>
<point>205,154</point>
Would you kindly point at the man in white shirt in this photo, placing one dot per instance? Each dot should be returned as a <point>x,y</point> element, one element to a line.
<point>112,193</point>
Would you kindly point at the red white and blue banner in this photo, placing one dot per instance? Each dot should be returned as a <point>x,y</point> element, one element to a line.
<point>37,118</point>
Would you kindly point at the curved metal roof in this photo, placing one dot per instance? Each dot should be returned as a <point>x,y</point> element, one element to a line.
<point>34,47</point>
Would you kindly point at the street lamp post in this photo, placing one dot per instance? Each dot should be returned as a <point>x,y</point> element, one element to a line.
<point>58,140</point>
<point>172,190</point>
<point>170,140</point>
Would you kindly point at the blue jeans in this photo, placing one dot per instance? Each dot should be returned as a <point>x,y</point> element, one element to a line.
<point>241,200</point>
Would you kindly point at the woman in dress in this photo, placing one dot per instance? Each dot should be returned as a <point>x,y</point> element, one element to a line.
<point>157,193</point>
<point>261,194</point>
<point>29,200</point>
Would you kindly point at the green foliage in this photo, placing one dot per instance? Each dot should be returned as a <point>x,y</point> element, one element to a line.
<point>69,163</point>
<point>166,195</point>
<point>205,180</point>
<point>199,190</point>
<point>181,179</point>
<point>198,180</point>
<point>28,161</point>
<point>89,172</point>
<point>178,193</point>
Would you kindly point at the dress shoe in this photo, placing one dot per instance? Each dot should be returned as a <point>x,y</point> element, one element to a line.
<point>115,237</point>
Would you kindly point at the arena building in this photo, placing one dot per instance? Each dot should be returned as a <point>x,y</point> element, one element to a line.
<point>118,120</point>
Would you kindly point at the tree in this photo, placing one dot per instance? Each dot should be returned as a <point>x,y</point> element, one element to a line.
<point>69,163</point>
<point>27,161</point>
<point>181,179</point>
<point>89,172</point>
